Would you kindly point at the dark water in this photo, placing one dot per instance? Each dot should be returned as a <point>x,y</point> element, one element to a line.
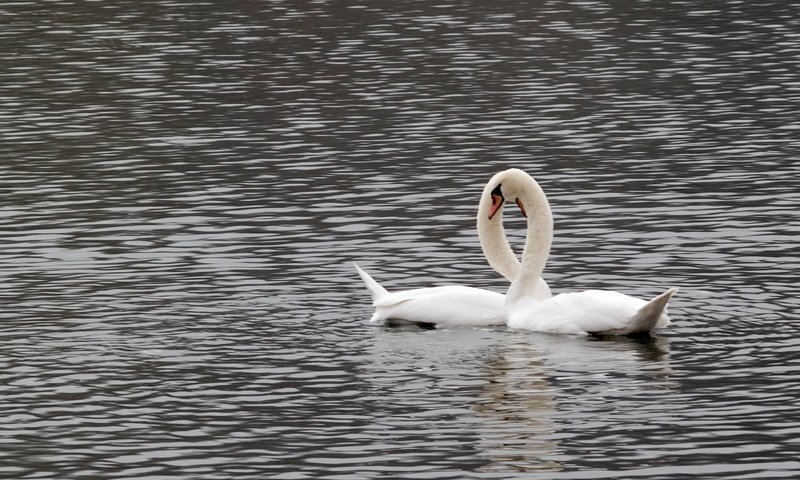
<point>184,186</point>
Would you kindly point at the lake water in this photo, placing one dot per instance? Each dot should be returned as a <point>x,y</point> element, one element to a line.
<point>185,186</point>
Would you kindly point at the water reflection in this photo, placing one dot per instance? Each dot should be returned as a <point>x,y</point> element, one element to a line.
<point>511,397</point>
<point>518,412</point>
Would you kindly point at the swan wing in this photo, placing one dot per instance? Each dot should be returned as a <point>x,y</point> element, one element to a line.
<point>591,311</point>
<point>601,310</point>
<point>618,314</point>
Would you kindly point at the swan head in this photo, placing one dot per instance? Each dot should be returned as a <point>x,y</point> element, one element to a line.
<point>508,185</point>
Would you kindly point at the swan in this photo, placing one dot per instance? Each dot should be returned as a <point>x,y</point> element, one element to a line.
<point>452,305</point>
<point>600,312</point>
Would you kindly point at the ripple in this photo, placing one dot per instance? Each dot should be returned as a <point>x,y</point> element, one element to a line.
<point>184,190</point>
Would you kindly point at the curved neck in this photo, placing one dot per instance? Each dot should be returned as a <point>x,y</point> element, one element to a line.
<point>494,242</point>
<point>538,241</point>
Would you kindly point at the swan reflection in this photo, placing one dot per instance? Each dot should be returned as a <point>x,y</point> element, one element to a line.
<point>519,400</point>
<point>540,384</point>
<point>517,410</point>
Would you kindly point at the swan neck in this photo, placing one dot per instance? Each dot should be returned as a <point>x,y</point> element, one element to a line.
<point>537,243</point>
<point>494,242</point>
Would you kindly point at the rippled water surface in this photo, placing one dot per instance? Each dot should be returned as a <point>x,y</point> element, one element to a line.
<point>185,186</point>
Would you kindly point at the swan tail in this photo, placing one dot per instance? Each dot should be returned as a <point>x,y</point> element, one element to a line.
<point>375,289</point>
<point>652,315</point>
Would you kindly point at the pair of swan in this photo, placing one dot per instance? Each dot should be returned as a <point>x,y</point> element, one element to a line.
<point>528,303</point>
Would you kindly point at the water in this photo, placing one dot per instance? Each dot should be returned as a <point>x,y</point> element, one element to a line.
<point>186,185</point>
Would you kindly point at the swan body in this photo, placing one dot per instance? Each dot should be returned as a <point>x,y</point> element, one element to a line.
<point>601,312</point>
<point>592,311</point>
<point>444,306</point>
<point>457,304</point>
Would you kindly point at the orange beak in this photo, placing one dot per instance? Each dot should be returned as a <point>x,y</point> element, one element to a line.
<point>522,208</point>
<point>497,203</point>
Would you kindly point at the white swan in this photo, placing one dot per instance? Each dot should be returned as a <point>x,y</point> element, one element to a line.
<point>592,311</point>
<point>457,304</point>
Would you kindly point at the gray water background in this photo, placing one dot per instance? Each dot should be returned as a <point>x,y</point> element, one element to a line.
<point>185,186</point>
